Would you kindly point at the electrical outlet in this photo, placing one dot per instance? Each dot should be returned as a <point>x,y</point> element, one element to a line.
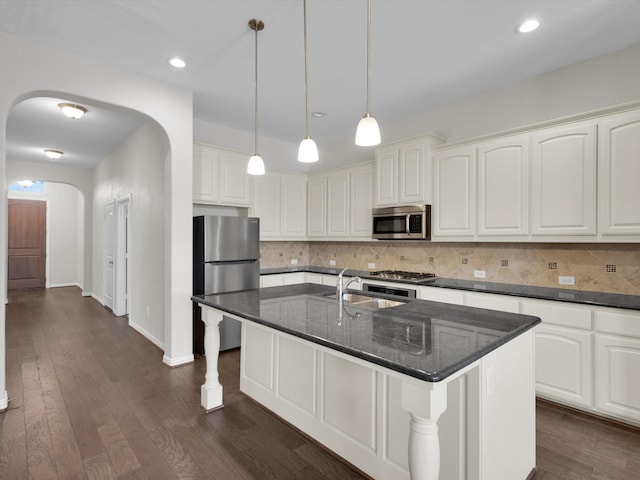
<point>371,266</point>
<point>566,280</point>
<point>479,274</point>
<point>294,261</point>
<point>332,263</point>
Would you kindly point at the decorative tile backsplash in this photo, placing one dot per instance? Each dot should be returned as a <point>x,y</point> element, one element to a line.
<point>612,268</point>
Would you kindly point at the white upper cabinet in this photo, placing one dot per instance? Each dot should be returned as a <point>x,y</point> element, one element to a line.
<point>361,201</point>
<point>266,205</point>
<point>386,176</point>
<point>340,203</point>
<point>503,187</point>
<point>454,200</point>
<point>293,205</point>
<point>206,171</point>
<point>280,200</point>
<point>618,174</point>
<point>563,180</point>
<point>220,177</point>
<point>338,185</point>
<point>317,206</point>
<point>403,172</point>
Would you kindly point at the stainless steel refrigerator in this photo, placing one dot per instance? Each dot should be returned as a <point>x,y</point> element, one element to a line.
<point>226,258</point>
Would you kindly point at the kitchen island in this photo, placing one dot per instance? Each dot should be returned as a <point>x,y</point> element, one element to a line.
<point>421,390</point>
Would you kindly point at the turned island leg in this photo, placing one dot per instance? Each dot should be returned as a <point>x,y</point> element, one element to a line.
<point>425,405</point>
<point>211,391</point>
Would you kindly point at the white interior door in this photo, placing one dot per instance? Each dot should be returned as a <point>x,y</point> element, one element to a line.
<point>109,225</point>
<point>122,259</point>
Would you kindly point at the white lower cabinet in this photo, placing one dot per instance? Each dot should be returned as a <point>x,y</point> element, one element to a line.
<point>563,352</point>
<point>563,364</point>
<point>618,364</point>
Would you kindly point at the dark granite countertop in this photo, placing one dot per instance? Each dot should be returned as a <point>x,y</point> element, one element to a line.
<point>614,300</point>
<point>423,339</point>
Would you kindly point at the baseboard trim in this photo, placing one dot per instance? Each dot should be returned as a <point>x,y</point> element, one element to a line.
<point>156,341</point>
<point>97,299</point>
<point>4,401</point>
<point>176,362</point>
<point>59,285</point>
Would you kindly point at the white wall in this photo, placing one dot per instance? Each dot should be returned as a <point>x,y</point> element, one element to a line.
<point>277,154</point>
<point>38,70</point>
<point>594,84</point>
<point>136,167</point>
<point>64,231</point>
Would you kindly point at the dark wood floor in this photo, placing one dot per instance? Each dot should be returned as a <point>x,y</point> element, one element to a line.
<point>91,398</point>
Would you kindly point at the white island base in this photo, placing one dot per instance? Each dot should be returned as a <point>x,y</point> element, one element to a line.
<point>477,424</point>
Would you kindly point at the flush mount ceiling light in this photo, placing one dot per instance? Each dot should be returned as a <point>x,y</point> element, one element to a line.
<point>177,62</point>
<point>528,26</point>
<point>53,154</point>
<point>72,110</point>
<point>308,150</point>
<point>25,183</point>
<point>368,131</point>
<point>256,164</point>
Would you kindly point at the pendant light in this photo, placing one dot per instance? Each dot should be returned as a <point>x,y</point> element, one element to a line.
<point>308,151</point>
<point>368,132</point>
<point>256,164</point>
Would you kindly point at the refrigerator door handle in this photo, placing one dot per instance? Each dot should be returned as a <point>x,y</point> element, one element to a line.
<point>231,262</point>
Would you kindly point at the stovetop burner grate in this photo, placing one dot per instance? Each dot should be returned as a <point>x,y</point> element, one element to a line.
<point>402,275</point>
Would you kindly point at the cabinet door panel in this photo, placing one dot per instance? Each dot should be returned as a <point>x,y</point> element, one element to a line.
<point>454,212</point>
<point>564,181</point>
<point>563,364</point>
<point>617,367</point>
<point>338,205</point>
<point>411,164</point>
<point>267,204</point>
<point>317,198</point>
<point>235,181</point>
<point>619,171</point>
<point>361,201</point>
<point>205,174</point>
<point>503,187</point>
<point>387,177</point>
<point>294,206</point>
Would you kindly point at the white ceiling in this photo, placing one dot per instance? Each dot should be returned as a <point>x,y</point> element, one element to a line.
<point>424,53</point>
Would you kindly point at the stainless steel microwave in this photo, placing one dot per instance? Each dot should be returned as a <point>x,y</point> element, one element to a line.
<point>408,222</point>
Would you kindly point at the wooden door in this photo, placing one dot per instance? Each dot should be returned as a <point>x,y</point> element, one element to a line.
<point>27,244</point>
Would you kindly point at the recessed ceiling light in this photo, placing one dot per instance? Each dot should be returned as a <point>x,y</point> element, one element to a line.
<point>528,26</point>
<point>177,62</point>
<point>72,110</point>
<point>318,114</point>
<point>53,154</point>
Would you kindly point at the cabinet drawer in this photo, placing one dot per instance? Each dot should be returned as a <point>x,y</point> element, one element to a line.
<point>618,323</point>
<point>558,315</point>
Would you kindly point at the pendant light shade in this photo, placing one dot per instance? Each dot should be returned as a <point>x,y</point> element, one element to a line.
<point>368,131</point>
<point>308,150</point>
<point>256,164</point>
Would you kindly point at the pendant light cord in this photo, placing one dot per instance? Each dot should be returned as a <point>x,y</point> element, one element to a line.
<point>255,112</point>
<point>306,84</point>
<point>368,52</point>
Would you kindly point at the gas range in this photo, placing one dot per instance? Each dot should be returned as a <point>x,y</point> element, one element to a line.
<point>402,275</point>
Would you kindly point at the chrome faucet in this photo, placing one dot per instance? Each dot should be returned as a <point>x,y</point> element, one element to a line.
<point>340,288</point>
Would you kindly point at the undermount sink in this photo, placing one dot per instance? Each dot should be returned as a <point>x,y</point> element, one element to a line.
<point>371,303</point>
